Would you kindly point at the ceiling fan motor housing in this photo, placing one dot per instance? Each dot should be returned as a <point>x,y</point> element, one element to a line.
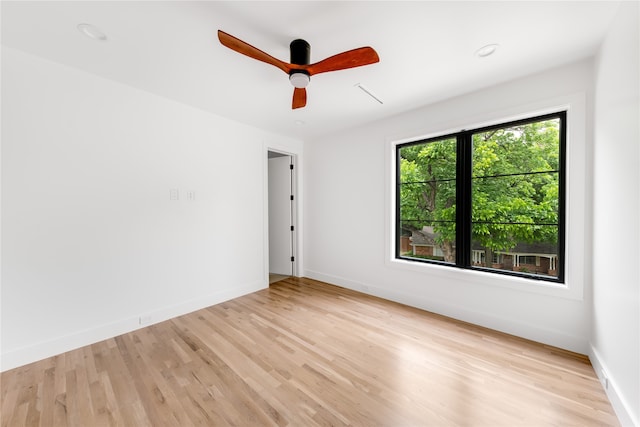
<point>300,55</point>
<point>300,52</point>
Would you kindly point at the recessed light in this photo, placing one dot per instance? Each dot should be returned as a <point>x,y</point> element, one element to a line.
<point>487,50</point>
<point>92,32</point>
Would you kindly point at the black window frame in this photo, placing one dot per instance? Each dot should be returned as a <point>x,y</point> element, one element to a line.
<point>464,155</point>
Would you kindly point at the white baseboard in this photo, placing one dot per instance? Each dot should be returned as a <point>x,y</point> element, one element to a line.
<point>620,404</point>
<point>33,353</point>
<point>488,320</point>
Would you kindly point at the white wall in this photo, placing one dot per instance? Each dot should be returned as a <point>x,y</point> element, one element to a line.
<point>615,338</point>
<point>90,239</point>
<point>349,208</point>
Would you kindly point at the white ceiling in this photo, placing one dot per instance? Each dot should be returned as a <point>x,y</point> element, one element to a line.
<point>426,50</point>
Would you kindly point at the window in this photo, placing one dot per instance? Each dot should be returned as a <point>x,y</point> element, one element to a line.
<point>488,199</point>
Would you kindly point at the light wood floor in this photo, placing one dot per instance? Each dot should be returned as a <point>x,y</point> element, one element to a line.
<point>304,353</point>
<point>276,277</point>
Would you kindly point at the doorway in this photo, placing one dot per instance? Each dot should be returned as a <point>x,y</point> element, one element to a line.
<point>281,199</point>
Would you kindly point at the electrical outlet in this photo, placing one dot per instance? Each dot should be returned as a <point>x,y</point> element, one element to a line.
<point>605,379</point>
<point>144,320</point>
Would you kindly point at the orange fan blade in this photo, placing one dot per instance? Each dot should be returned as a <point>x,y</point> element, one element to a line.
<point>349,59</point>
<point>299,98</point>
<point>244,48</point>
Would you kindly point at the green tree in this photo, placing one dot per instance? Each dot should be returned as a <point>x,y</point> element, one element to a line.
<point>514,188</point>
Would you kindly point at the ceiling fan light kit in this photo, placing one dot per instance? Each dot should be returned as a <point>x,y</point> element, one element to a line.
<point>299,79</point>
<point>300,69</point>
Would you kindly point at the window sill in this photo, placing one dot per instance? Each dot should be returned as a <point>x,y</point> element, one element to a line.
<point>481,278</point>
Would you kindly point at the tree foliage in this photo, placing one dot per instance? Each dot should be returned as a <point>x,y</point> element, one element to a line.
<point>514,187</point>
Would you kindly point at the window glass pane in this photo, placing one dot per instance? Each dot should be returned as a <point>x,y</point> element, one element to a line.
<point>515,198</point>
<point>434,160</point>
<point>427,201</point>
<point>532,147</point>
<point>529,256</point>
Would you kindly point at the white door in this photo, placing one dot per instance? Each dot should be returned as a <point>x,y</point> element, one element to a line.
<point>280,215</point>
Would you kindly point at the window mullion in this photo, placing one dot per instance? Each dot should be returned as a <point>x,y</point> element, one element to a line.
<point>463,199</point>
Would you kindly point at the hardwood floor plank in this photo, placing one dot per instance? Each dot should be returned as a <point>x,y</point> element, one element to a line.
<point>308,353</point>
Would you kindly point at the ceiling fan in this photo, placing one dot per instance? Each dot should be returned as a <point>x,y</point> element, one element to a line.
<point>300,70</point>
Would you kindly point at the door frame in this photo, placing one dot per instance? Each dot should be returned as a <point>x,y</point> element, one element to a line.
<point>296,158</point>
